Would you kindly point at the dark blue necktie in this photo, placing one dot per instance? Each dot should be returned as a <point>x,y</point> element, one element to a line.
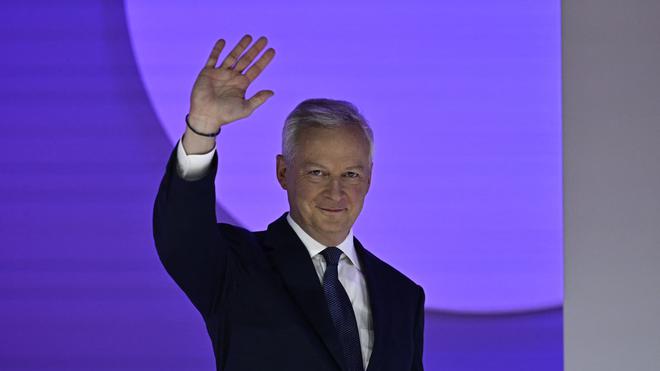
<point>341,310</point>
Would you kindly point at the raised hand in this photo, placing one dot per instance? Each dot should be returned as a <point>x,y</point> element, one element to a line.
<point>218,96</point>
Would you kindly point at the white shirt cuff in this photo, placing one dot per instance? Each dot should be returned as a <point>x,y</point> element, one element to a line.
<point>193,167</point>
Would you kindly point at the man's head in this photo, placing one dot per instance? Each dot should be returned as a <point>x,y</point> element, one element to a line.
<point>325,167</point>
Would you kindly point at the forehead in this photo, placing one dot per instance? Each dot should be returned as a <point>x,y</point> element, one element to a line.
<point>340,144</point>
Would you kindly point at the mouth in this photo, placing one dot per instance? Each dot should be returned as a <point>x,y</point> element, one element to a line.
<point>331,210</point>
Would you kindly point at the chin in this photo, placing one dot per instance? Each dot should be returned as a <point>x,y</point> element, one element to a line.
<point>337,227</point>
<point>329,223</point>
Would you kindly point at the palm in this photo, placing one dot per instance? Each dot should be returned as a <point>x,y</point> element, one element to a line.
<point>218,95</point>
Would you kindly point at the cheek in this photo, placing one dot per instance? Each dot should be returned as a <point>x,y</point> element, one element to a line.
<point>306,193</point>
<point>357,193</point>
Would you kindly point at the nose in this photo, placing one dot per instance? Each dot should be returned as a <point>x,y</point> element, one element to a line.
<point>334,190</point>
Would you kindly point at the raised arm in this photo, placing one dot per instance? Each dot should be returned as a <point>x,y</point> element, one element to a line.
<point>186,233</point>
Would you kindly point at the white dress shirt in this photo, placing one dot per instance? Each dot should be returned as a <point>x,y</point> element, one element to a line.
<point>195,167</point>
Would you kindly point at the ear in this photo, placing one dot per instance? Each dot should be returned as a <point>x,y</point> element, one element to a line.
<point>280,171</point>
<point>371,168</point>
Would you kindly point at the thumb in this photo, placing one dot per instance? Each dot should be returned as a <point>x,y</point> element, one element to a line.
<point>259,98</point>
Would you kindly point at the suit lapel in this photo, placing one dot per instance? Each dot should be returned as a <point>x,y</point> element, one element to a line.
<point>377,291</point>
<point>291,259</point>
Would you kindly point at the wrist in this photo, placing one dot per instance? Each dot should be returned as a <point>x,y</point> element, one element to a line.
<point>202,125</point>
<point>195,144</point>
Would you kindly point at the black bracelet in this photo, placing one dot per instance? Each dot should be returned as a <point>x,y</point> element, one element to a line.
<point>202,134</point>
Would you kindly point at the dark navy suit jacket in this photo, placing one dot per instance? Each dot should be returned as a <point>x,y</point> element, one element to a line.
<point>259,294</point>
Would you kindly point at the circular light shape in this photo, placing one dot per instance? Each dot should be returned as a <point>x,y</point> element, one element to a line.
<point>464,101</point>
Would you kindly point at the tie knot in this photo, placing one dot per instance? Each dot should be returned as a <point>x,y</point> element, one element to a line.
<point>331,255</point>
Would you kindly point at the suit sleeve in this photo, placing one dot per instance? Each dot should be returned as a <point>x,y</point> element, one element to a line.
<point>187,237</point>
<point>419,333</point>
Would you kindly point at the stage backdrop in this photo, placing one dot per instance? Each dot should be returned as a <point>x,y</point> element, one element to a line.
<point>464,101</point>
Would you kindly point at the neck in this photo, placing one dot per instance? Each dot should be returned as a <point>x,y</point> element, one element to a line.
<point>322,238</point>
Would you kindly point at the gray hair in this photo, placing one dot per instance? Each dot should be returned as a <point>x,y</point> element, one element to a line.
<point>325,113</point>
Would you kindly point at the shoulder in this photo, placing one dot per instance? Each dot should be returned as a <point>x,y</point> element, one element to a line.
<point>250,248</point>
<point>234,232</point>
<point>244,243</point>
<point>392,276</point>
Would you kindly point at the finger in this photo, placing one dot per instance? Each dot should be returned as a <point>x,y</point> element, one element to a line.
<point>215,53</point>
<point>259,98</point>
<point>247,58</point>
<point>236,52</point>
<point>254,71</point>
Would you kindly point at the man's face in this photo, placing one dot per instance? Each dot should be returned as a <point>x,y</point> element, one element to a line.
<point>327,180</point>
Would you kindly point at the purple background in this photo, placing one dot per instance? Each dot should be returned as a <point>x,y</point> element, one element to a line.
<point>82,154</point>
<point>464,100</point>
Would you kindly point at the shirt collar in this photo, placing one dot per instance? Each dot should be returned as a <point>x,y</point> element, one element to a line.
<point>314,247</point>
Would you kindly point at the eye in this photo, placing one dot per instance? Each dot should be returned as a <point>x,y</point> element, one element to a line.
<point>315,172</point>
<point>352,174</point>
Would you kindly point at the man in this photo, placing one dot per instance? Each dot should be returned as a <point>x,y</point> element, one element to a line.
<point>304,294</point>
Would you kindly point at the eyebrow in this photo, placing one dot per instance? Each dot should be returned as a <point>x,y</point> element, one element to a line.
<point>354,167</point>
<point>308,164</point>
